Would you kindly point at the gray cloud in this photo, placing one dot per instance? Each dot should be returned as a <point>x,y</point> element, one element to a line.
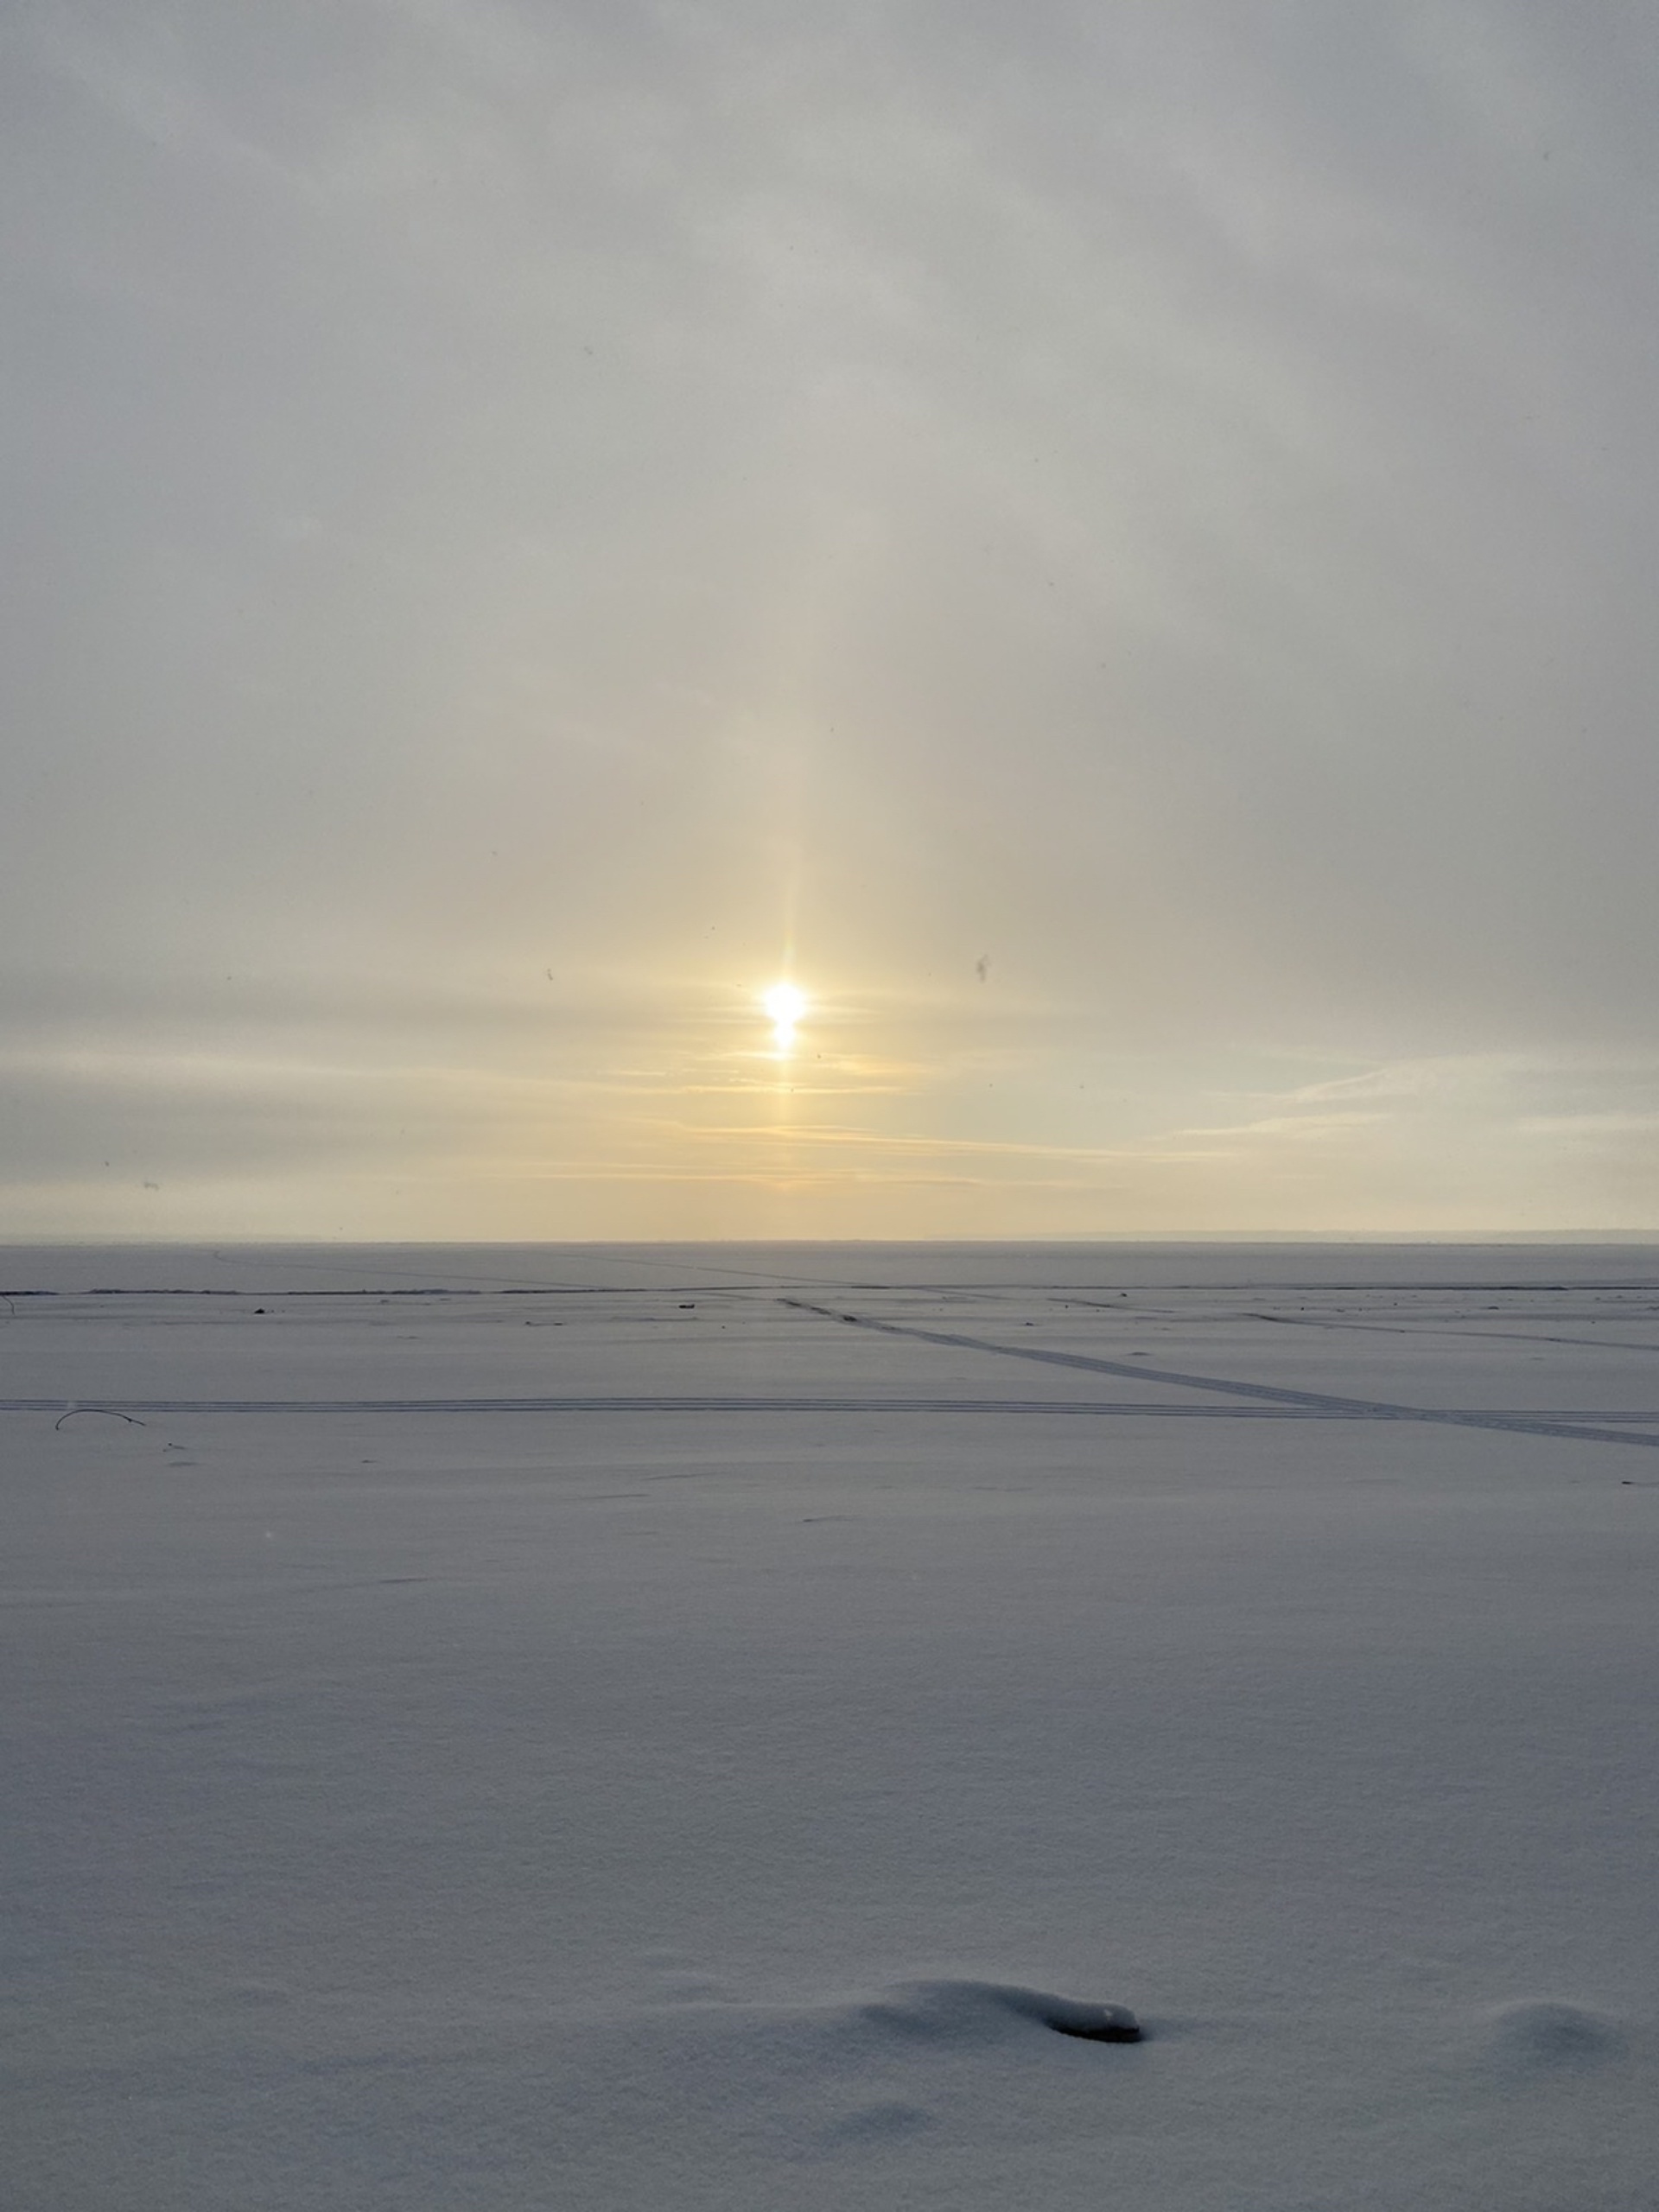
<point>1163,493</point>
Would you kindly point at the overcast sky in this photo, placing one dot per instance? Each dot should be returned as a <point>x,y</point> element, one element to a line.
<point>1114,544</point>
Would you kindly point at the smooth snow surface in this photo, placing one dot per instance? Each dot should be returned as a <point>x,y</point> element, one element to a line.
<point>667,1728</point>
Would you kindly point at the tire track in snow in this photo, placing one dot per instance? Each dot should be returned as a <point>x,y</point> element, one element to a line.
<point>1335,1408</point>
<point>129,1408</point>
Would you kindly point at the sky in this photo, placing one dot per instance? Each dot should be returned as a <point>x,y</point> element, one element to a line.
<point>1113,546</point>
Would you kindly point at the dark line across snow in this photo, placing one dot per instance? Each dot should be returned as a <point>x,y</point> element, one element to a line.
<point>1538,1423</point>
<point>1335,1408</point>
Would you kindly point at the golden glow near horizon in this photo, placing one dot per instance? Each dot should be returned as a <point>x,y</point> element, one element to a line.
<point>785,1005</point>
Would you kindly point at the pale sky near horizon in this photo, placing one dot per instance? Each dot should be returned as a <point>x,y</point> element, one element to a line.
<point>1113,545</point>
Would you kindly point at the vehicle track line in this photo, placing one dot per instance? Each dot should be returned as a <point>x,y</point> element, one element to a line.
<point>129,1408</point>
<point>1349,1409</point>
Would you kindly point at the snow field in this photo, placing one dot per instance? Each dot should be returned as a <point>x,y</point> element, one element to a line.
<point>701,1804</point>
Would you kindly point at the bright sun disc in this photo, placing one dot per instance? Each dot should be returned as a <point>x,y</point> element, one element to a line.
<point>784,1004</point>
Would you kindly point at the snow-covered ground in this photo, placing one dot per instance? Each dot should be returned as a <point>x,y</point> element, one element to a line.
<point>631,1728</point>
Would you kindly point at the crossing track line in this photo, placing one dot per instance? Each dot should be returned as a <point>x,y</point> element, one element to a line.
<point>1337,1408</point>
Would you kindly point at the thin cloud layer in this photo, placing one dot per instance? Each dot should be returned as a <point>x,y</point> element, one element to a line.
<point>525,523</point>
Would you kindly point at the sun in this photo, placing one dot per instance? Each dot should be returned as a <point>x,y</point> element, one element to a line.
<point>785,1005</point>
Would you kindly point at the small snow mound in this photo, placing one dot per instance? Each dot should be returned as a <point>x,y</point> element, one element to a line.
<point>971,2011</point>
<point>1535,2036</point>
